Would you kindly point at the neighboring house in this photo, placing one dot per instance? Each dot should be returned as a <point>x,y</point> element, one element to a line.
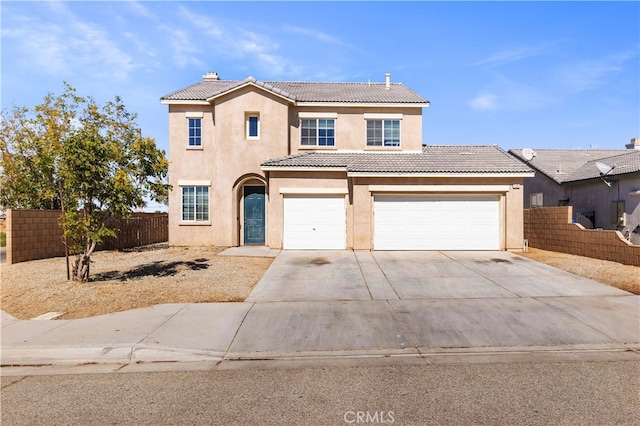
<point>572,177</point>
<point>303,165</point>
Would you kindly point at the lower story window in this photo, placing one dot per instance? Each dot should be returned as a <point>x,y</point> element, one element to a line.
<point>195,203</point>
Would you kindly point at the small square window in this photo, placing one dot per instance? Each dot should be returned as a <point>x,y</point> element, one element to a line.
<point>195,132</point>
<point>535,200</point>
<point>253,126</point>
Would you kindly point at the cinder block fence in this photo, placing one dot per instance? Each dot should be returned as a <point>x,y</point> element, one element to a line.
<point>35,234</point>
<point>551,228</point>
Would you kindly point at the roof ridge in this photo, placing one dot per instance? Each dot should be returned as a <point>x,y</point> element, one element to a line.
<point>622,154</point>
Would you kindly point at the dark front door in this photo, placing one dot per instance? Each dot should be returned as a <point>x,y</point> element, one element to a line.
<point>254,214</point>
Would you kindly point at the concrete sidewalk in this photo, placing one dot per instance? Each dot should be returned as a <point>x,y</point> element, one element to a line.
<point>463,306</point>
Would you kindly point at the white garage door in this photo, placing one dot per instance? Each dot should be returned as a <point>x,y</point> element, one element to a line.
<point>314,223</point>
<point>436,223</point>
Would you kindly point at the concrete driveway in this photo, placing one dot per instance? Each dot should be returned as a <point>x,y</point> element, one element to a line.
<point>430,302</point>
<point>397,275</point>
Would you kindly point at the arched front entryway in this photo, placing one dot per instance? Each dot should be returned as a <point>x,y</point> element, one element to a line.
<point>252,210</point>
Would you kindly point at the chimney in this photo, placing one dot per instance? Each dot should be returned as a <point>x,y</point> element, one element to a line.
<point>387,81</point>
<point>634,144</point>
<point>211,76</point>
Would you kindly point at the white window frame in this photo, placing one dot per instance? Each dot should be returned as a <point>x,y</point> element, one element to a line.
<point>384,121</point>
<point>248,117</point>
<point>536,200</point>
<point>197,138</point>
<point>317,131</point>
<point>205,211</point>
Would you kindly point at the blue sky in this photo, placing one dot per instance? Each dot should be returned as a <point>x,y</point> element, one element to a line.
<point>515,74</point>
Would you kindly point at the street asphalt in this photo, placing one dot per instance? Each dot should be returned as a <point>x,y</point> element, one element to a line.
<point>432,306</point>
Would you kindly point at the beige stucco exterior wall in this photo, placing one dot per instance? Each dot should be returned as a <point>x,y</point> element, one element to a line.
<point>359,202</point>
<point>351,128</point>
<point>189,163</point>
<point>227,158</point>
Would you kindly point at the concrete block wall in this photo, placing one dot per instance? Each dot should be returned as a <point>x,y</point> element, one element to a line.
<point>550,228</point>
<point>33,234</point>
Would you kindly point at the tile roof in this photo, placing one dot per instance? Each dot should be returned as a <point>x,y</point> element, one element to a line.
<point>305,91</point>
<point>569,165</point>
<point>629,162</point>
<point>445,159</point>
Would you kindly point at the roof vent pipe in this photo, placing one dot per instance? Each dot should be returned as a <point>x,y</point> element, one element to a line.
<point>387,81</point>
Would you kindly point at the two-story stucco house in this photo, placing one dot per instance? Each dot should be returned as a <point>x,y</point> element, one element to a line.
<point>305,165</point>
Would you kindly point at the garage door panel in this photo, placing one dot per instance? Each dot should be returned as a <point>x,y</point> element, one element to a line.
<point>317,223</point>
<point>436,223</point>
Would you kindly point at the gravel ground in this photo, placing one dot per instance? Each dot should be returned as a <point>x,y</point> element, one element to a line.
<point>625,277</point>
<point>128,280</point>
<point>146,277</point>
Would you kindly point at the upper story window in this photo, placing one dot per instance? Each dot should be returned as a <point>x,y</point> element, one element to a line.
<point>195,131</point>
<point>253,126</point>
<point>384,133</point>
<point>317,132</point>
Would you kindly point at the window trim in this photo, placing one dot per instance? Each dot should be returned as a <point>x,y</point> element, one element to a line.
<point>247,120</point>
<point>383,128</point>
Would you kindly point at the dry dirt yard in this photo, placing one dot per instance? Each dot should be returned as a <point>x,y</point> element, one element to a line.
<point>146,277</point>
<point>625,277</point>
<point>128,280</point>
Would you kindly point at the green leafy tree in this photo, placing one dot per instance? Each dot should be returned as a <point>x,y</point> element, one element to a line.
<point>88,160</point>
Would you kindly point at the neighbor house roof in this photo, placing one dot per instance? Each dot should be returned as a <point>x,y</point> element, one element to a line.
<point>570,165</point>
<point>622,164</point>
<point>434,159</point>
<point>304,92</point>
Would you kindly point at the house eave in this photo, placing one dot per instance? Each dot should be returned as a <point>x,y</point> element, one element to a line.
<point>183,102</point>
<point>362,104</point>
<point>302,169</point>
<point>432,174</point>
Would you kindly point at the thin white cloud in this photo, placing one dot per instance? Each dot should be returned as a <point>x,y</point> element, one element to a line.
<point>510,55</point>
<point>318,35</point>
<point>591,73</point>
<point>230,40</point>
<point>506,94</point>
<point>484,101</point>
<point>78,47</point>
